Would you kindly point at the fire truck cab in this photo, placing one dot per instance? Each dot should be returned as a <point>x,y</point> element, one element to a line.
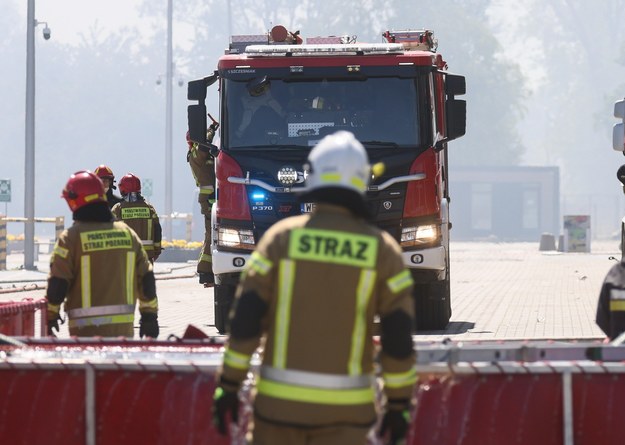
<point>279,96</point>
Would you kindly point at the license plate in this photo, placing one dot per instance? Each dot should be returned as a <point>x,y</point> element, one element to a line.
<point>307,207</point>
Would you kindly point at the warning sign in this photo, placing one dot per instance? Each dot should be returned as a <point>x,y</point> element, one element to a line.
<point>5,190</point>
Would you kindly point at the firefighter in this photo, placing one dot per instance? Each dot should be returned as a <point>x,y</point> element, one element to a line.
<point>139,215</point>
<point>99,269</point>
<point>108,178</point>
<point>202,165</point>
<point>311,290</point>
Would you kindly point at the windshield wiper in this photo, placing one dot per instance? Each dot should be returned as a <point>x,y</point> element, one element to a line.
<point>381,144</point>
<point>270,146</point>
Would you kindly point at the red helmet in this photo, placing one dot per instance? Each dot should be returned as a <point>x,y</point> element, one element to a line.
<point>104,172</point>
<point>83,188</point>
<point>129,184</point>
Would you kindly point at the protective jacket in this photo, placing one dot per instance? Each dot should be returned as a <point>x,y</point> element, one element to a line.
<point>202,166</point>
<point>611,306</point>
<point>312,289</point>
<point>143,219</point>
<point>105,266</point>
<point>112,198</point>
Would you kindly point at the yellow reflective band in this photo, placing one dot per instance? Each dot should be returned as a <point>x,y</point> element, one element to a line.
<point>204,191</point>
<point>85,280</point>
<point>54,308</point>
<point>151,304</point>
<point>130,277</point>
<point>99,321</point>
<point>617,305</point>
<point>236,360</point>
<point>331,246</point>
<point>363,293</point>
<point>357,182</point>
<point>150,235</point>
<point>60,251</point>
<point>333,396</point>
<point>93,196</point>
<point>401,379</point>
<point>135,213</point>
<point>283,312</point>
<point>206,258</point>
<point>330,177</point>
<point>105,240</point>
<point>259,263</point>
<point>400,281</point>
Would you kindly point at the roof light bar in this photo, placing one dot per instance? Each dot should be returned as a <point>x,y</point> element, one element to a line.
<point>310,50</point>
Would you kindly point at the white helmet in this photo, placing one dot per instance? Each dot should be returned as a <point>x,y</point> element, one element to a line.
<point>339,160</point>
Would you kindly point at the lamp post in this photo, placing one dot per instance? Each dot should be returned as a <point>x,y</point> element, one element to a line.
<point>168,126</point>
<point>29,161</point>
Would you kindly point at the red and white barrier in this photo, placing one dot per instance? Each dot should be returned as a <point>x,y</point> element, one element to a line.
<point>18,317</point>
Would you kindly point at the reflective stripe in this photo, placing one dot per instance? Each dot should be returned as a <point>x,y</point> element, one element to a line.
<point>149,304</point>
<point>85,280</point>
<point>363,293</point>
<point>617,305</point>
<point>316,379</point>
<point>206,258</point>
<point>283,391</point>
<point>147,243</point>
<point>330,177</point>
<point>400,281</point>
<point>60,251</point>
<point>206,189</point>
<point>150,236</point>
<point>101,310</point>
<point>283,312</point>
<point>357,182</point>
<point>99,321</point>
<point>130,277</point>
<point>259,263</point>
<point>401,379</point>
<point>617,294</point>
<point>236,360</point>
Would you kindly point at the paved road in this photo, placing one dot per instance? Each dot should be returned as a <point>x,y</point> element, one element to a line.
<point>499,291</point>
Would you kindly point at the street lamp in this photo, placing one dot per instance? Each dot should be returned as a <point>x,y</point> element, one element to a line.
<point>29,163</point>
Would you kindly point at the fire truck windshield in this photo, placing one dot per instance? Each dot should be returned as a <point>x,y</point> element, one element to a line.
<point>272,113</point>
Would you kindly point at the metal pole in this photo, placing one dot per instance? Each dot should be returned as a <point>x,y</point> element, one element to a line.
<point>168,139</point>
<point>229,20</point>
<point>29,164</point>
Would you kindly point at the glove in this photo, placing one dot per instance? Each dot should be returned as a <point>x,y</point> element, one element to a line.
<point>148,325</point>
<point>225,402</point>
<point>207,278</point>
<point>395,423</point>
<point>53,323</point>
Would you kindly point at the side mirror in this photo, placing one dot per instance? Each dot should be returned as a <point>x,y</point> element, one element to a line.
<point>456,121</point>
<point>196,89</point>
<point>618,131</point>
<point>455,85</point>
<point>196,117</point>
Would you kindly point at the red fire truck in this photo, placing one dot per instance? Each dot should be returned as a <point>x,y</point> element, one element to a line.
<point>279,96</point>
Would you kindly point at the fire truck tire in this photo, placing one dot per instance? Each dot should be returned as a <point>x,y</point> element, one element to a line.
<point>432,305</point>
<point>224,296</point>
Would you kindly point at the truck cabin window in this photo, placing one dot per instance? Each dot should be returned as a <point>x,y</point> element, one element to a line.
<point>261,112</point>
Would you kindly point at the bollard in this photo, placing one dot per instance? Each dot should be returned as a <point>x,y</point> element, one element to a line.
<point>547,242</point>
<point>561,243</point>
<point>3,243</point>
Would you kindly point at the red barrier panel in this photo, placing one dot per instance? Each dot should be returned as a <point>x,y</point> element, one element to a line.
<point>18,317</point>
<point>488,410</point>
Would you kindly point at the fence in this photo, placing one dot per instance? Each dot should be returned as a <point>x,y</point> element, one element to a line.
<point>59,223</point>
<point>18,317</point>
<point>188,217</point>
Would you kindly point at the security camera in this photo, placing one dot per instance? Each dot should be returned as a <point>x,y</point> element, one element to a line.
<point>47,33</point>
<point>180,82</point>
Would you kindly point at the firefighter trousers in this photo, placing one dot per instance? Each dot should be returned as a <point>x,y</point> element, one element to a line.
<point>265,433</point>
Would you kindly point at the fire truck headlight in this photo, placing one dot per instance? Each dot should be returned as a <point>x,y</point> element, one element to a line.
<point>415,236</point>
<point>235,238</point>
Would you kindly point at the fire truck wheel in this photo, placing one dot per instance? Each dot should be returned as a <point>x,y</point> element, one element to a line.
<point>224,296</point>
<point>432,305</point>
